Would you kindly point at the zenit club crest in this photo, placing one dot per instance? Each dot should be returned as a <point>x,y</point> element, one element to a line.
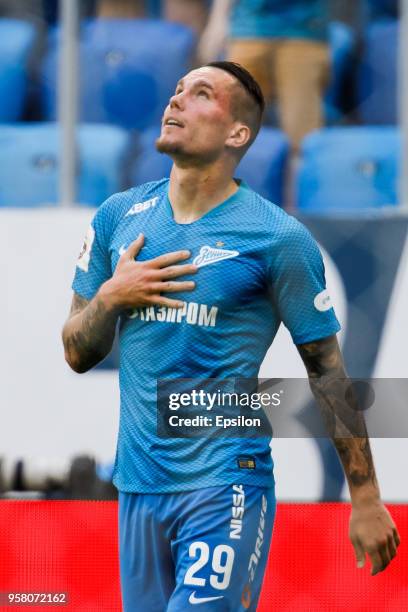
<point>208,255</point>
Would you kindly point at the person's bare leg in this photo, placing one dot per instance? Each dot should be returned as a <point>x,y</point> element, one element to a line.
<point>302,72</point>
<point>193,13</point>
<point>256,56</point>
<point>120,9</point>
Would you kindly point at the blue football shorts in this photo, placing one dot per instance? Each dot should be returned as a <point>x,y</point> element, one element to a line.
<point>206,548</point>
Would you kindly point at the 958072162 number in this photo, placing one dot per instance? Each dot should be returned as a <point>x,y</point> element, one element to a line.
<point>31,598</point>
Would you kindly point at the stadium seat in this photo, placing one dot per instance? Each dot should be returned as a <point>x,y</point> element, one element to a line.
<point>349,169</point>
<point>128,70</point>
<point>262,167</point>
<point>342,45</point>
<point>16,42</point>
<point>29,168</point>
<point>377,78</point>
<point>149,165</point>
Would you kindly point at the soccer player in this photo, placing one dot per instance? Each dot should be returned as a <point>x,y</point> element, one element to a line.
<point>199,271</point>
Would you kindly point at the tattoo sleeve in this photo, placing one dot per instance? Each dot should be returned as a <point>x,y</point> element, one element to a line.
<point>340,411</point>
<point>88,333</point>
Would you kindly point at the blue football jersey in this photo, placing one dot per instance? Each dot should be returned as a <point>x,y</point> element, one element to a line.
<point>257,267</point>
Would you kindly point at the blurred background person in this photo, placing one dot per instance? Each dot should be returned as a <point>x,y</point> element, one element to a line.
<point>284,44</point>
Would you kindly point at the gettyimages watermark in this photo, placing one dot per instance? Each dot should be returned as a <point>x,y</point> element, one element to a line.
<point>286,408</point>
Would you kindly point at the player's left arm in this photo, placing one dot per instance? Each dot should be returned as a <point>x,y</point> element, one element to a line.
<point>372,529</point>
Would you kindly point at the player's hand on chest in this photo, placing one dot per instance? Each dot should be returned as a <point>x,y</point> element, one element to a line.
<point>226,275</point>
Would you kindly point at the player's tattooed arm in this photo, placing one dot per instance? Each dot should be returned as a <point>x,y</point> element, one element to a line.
<point>371,529</point>
<point>89,332</point>
<point>343,419</point>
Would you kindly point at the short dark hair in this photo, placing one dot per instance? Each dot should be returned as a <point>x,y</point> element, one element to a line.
<point>251,106</point>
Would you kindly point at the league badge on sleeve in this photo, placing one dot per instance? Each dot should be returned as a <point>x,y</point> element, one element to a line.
<point>85,254</point>
<point>323,301</point>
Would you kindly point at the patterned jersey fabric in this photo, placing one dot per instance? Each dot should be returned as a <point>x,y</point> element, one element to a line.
<point>257,267</point>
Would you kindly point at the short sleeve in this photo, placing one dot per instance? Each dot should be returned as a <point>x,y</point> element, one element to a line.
<point>297,279</point>
<point>93,266</point>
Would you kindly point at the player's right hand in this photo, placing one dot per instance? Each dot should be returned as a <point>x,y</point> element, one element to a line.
<point>141,283</point>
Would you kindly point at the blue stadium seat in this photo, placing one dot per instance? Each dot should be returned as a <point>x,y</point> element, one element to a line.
<point>262,167</point>
<point>342,46</point>
<point>349,169</point>
<point>128,70</point>
<point>29,168</point>
<point>377,79</point>
<point>149,165</point>
<point>16,42</point>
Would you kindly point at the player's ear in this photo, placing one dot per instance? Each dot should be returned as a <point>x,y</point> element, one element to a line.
<point>239,136</point>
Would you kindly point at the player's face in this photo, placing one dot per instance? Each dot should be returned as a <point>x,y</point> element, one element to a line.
<point>197,121</point>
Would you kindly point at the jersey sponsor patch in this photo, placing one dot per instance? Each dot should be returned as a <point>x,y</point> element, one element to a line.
<point>141,207</point>
<point>237,512</point>
<point>322,301</point>
<point>85,254</point>
<point>191,312</point>
<point>208,255</point>
<point>246,463</point>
